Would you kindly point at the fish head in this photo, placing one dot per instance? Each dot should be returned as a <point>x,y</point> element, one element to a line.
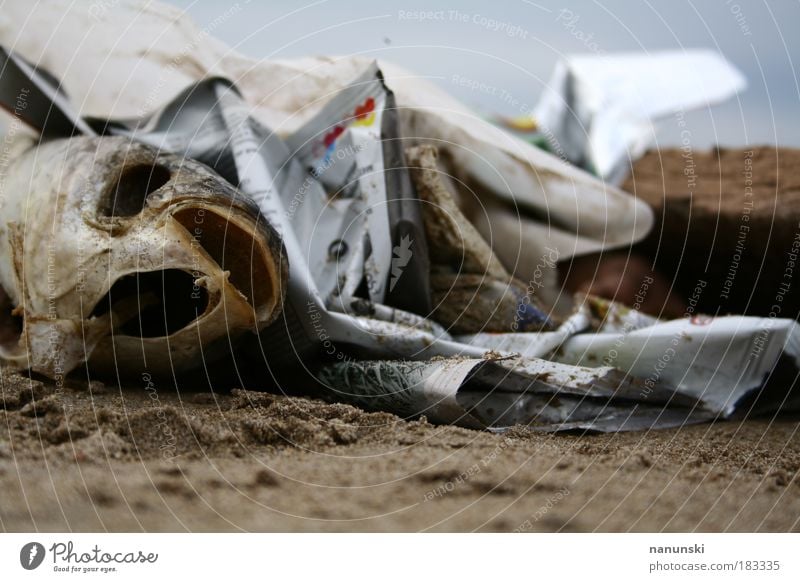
<point>134,260</point>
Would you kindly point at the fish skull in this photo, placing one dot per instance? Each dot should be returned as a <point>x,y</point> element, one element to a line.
<point>130,259</point>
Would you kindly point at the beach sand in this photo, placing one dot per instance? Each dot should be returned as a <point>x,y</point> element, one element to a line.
<point>89,457</point>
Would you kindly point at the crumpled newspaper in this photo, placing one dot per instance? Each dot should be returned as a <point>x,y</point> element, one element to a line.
<point>337,192</point>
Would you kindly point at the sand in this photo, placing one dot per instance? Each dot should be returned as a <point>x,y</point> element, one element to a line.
<point>90,457</point>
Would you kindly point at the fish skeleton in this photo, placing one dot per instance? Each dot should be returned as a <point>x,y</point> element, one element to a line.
<point>129,259</point>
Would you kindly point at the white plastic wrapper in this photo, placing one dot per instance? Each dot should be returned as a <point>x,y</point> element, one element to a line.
<point>598,111</point>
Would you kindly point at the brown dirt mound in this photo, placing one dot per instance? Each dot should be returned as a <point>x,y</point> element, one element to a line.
<point>729,217</point>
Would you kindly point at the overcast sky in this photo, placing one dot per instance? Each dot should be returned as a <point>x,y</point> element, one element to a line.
<point>514,44</point>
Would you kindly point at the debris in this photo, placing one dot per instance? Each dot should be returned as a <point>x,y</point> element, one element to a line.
<point>597,111</point>
<point>381,321</point>
<point>133,259</point>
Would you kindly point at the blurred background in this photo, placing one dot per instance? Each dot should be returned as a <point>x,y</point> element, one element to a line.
<point>511,47</point>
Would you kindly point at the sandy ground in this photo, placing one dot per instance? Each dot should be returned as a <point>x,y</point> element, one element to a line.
<point>89,457</point>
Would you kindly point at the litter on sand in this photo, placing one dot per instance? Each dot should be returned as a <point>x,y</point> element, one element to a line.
<point>340,221</point>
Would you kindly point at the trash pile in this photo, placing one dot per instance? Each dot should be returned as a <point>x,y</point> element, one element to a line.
<point>332,219</point>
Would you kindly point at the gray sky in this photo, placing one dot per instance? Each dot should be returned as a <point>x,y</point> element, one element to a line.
<point>514,44</point>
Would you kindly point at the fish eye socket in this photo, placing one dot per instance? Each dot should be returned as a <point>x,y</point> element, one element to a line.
<point>127,195</point>
<point>10,324</point>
